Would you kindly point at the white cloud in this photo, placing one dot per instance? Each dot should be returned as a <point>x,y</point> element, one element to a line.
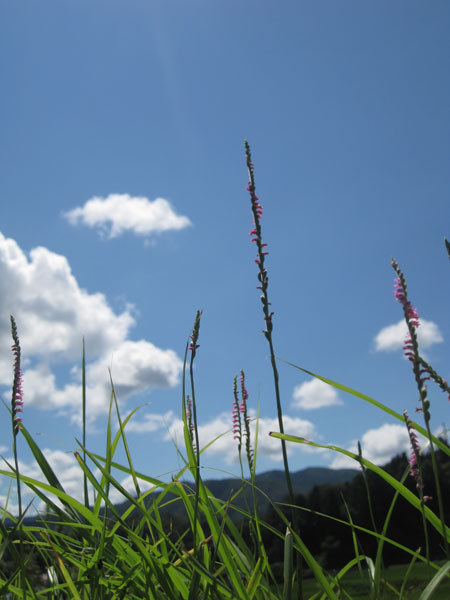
<point>118,213</point>
<point>51,310</point>
<point>137,366</point>
<point>378,445</point>
<point>53,313</point>
<point>226,446</point>
<point>314,394</point>
<point>392,337</point>
<point>151,422</point>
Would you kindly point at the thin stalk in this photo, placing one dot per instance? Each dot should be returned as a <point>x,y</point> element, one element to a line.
<point>366,483</point>
<point>415,469</point>
<point>193,347</point>
<point>264,282</point>
<point>16,407</point>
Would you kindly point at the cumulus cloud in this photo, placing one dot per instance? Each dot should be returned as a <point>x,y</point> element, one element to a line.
<point>53,314</point>
<point>392,337</point>
<point>314,394</point>
<point>378,445</point>
<point>118,213</point>
<point>226,446</point>
<point>151,422</point>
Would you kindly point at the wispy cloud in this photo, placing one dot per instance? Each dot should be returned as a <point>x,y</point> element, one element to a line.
<point>119,213</point>
<point>53,314</point>
<point>392,337</point>
<point>314,394</point>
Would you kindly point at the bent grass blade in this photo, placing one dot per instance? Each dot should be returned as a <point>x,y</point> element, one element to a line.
<point>368,399</point>
<point>403,491</point>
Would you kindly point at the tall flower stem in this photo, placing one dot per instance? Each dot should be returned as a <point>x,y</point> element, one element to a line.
<point>263,285</point>
<point>421,375</point>
<point>16,410</point>
<point>16,405</point>
<point>193,348</point>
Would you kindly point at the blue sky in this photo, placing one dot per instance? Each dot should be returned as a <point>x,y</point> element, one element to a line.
<point>124,210</point>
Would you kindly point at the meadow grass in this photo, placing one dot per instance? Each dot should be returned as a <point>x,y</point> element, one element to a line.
<point>92,550</point>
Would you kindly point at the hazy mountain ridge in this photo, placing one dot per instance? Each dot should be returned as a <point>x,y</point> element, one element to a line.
<point>269,483</point>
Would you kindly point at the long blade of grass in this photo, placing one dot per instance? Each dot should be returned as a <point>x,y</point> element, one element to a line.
<point>434,583</point>
<point>404,491</point>
<point>47,471</point>
<point>75,506</point>
<point>354,536</point>
<point>379,555</point>
<point>370,400</point>
<point>387,540</point>
<point>111,449</point>
<point>405,578</point>
<point>336,580</point>
<point>65,572</point>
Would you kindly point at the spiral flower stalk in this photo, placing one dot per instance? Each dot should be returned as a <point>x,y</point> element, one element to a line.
<point>17,390</point>
<point>411,346</point>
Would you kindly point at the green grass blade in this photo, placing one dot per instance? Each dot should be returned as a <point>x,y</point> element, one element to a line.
<point>354,536</point>
<point>316,569</point>
<point>434,583</point>
<point>404,491</point>
<point>41,461</point>
<point>75,506</point>
<point>405,578</point>
<point>336,580</point>
<point>65,573</point>
<point>379,555</point>
<point>370,400</point>
<point>255,578</point>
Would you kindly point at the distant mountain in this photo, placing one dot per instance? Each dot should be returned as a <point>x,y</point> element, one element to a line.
<point>273,484</point>
<point>269,483</point>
